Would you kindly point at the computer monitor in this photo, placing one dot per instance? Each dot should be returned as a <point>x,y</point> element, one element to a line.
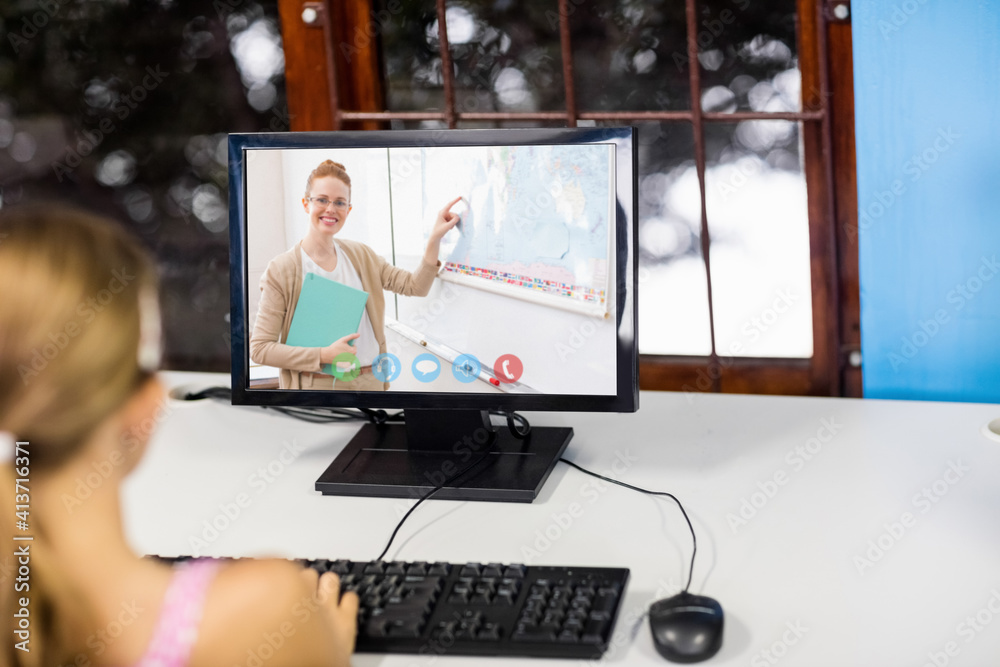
<point>527,303</point>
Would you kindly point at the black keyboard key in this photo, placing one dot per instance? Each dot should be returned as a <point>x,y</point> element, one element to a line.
<point>404,627</point>
<point>593,631</point>
<point>529,633</point>
<point>417,569</point>
<point>439,569</point>
<point>505,597</point>
<point>605,604</point>
<point>569,636</point>
<point>493,570</point>
<point>470,570</point>
<point>339,567</point>
<point>395,568</point>
<point>550,622</point>
<point>378,567</point>
<point>489,632</point>
<point>515,571</point>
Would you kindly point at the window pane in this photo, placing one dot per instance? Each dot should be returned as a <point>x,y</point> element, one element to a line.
<point>123,109</point>
<point>673,296</point>
<point>749,55</point>
<point>630,55</point>
<point>505,55</point>
<point>413,77</point>
<point>759,225</point>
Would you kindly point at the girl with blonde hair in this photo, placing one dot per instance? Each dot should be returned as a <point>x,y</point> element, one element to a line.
<point>79,346</point>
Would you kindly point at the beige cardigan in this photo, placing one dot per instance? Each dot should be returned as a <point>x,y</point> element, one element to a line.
<point>279,293</point>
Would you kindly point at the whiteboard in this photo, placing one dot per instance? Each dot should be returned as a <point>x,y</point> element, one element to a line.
<point>537,221</point>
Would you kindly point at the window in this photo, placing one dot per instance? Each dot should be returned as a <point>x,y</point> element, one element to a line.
<point>748,264</point>
<point>123,109</point>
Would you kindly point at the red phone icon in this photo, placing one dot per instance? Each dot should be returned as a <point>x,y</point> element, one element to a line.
<point>508,368</point>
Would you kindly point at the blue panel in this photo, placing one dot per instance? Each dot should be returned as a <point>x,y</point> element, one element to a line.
<point>927,76</point>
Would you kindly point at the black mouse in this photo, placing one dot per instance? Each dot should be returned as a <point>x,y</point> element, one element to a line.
<point>686,627</point>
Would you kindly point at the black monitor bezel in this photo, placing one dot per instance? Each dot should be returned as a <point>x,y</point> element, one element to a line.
<point>626,398</point>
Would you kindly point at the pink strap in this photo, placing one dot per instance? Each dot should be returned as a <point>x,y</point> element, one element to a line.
<point>177,627</point>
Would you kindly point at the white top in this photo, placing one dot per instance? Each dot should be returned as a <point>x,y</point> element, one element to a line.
<point>366,347</point>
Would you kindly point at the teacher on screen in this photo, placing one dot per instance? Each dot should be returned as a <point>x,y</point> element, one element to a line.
<point>328,203</point>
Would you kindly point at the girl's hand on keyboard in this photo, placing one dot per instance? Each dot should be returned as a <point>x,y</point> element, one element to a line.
<point>342,612</point>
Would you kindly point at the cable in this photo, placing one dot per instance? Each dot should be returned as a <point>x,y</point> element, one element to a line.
<point>519,433</point>
<point>209,392</point>
<point>694,540</point>
<point>315,415</point>
<point>489,450</point>
<point>379,417</point>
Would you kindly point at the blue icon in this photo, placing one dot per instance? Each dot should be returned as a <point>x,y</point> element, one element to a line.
<point>426,367</point>
<point>466,368</point>
<point>386,367</point>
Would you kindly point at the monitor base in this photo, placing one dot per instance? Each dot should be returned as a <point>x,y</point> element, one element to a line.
<point>380,463</point>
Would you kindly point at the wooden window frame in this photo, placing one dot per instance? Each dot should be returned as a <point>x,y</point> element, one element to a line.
<point>327,90</point>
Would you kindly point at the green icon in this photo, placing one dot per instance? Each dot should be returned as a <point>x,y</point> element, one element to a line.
<point>346,367</point>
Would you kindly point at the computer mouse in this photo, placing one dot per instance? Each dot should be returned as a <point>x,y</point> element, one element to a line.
<point>686,627</point>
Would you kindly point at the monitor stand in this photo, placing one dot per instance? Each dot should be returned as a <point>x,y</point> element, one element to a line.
<point>408,460</point>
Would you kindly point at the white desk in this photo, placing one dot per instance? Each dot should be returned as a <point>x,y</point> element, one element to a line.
<point>792,564</point>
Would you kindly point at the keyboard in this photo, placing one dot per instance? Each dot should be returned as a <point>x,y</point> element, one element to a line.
<point>481,609</point>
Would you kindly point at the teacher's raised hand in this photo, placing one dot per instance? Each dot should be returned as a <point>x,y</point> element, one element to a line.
<point>445,222</point>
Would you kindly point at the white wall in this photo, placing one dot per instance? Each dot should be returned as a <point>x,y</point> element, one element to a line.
<point>265,219</point>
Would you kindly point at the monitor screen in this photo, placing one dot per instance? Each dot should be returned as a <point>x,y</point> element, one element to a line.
<point>471,268</point>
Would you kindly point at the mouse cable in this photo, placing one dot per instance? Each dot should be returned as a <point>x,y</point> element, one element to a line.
<point>489,450</point>
<point>694,540</point>
<point>514,431</point>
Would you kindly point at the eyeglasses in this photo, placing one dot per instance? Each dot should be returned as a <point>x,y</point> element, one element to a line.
<point>323,202</point>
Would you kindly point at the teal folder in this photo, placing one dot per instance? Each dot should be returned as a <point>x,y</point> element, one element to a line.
<point>326,311</point>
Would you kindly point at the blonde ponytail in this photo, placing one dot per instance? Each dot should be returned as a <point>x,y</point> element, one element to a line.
<point>69,338</point>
